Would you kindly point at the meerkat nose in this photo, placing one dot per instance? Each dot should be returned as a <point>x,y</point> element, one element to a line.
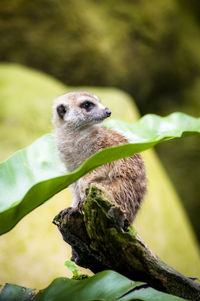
<point>108,112</point>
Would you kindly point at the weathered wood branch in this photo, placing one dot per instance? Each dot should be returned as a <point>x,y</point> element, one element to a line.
<point>100,241</point>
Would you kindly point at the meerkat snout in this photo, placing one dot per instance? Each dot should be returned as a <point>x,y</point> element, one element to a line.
<point>108,112</point>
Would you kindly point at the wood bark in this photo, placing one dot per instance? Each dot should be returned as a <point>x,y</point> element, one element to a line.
<point>100,240</point>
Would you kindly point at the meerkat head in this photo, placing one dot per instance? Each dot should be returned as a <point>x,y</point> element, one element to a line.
<point>78,109</point>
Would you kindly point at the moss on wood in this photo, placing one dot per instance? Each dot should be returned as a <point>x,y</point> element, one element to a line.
<point>100,240</point>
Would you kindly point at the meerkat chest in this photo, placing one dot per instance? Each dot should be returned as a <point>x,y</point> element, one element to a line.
<point>75,149</point>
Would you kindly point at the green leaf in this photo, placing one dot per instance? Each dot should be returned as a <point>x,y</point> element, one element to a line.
<point>12,292</point>
<point>155,129</point>
<point>72,267</point>
<point>33,175</point>
<point>106,285</point>
<point>149,294</point>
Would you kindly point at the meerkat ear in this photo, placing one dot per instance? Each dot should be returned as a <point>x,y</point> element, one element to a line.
<point>61,110</point>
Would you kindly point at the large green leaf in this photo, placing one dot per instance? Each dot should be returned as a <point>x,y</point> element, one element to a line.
<point>12,292</point>
<point>104,286</point>
<point>33,175</point>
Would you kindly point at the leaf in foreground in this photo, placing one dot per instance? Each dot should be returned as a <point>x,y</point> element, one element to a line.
<point>33,175</point>
<point>106,286</point>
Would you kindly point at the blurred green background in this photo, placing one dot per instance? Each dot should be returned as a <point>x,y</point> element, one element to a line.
<point>149,49</point>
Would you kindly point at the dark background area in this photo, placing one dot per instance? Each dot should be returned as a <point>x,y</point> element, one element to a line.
<point>149,49</point>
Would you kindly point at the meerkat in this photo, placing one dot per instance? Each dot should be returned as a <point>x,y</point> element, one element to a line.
<point>78,135</point>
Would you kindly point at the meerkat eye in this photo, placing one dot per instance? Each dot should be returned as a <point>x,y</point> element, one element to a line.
<point>87,105</point>
<point>61,110</point>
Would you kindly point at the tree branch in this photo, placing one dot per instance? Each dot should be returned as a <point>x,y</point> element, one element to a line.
<point>100,240</point>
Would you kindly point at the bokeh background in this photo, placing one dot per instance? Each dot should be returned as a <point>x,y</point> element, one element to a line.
<point>149,49</point>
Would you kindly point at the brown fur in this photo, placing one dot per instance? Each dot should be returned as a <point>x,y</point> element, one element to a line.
<point>124,179</point>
